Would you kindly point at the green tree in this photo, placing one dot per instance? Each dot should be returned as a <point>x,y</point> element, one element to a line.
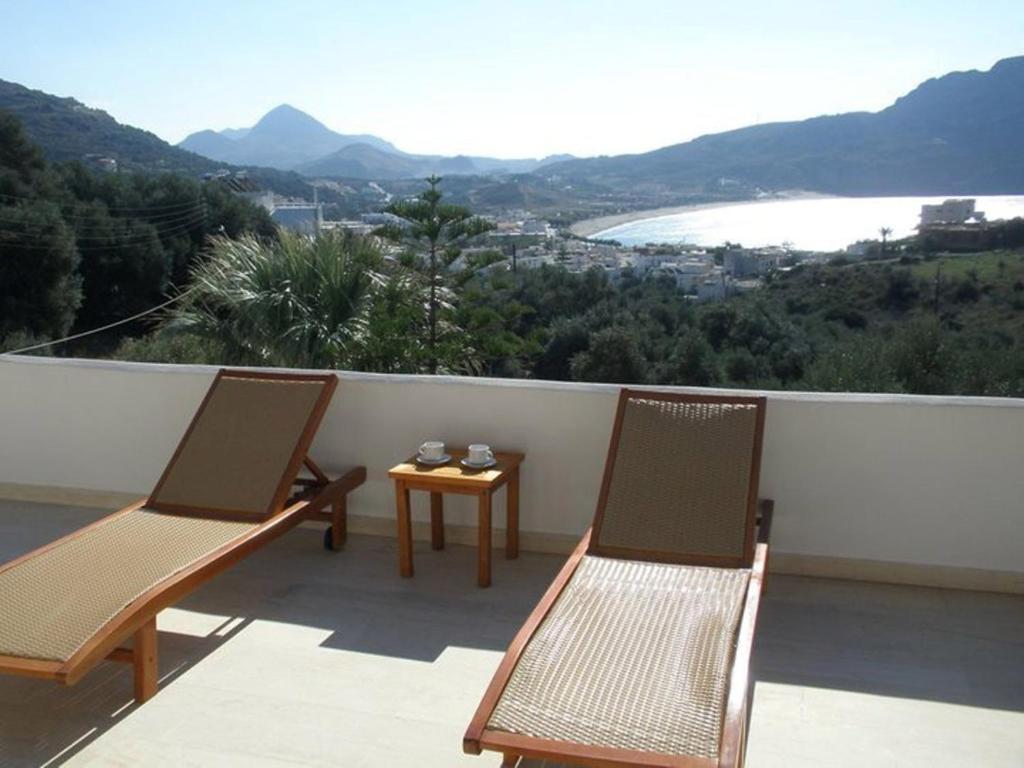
<point>693,361</point>
<point>568,338</point>
<point>717,323</point>
<point>21,162</point>
<point>124,267</point>
<point>884,232</point>
<point>439,228</point>
<point>40,289</point>
<point>296,301</point>
<point>613,355</point>
<point>857,365</point>
<point>920,358</point>
<point>901,290</point>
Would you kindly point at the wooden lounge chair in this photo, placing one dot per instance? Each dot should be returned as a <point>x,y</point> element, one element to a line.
<point>227,491</point>
<point>638,653</point>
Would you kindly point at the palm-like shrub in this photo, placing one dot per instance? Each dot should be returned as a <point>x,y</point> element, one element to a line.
<point>296,301</point>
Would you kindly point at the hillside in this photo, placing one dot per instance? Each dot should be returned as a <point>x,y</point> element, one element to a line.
<point>962,133</point>
<point>80,250</point>
<point>66,130</point>
<point>362,161</point>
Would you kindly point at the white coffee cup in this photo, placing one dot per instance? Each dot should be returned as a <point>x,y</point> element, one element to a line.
<point>480,454</point>
<point>432,450</point>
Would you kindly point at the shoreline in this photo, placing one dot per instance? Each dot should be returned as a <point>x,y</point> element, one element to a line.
<point>590,227</point>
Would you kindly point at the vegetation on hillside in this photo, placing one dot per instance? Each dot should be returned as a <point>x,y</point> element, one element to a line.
<point>83,249</point>
<point>942,325</point>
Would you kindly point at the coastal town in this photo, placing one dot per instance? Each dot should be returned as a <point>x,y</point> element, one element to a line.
<point>520,240</point>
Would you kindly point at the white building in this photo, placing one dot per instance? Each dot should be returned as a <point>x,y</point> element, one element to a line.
<point>746,262</point>
<point>306,218</point>
<point>952,211</point>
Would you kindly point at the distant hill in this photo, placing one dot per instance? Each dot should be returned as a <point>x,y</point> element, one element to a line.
<point>361,161</point>
<point>962,133</point>
<point>234,133</point>
<point>209,144</point>
<point>289,139</point>
<point>283,138</point>
<point>66,130</point>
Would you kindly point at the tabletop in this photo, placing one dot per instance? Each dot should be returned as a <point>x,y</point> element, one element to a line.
<point>453,473</point>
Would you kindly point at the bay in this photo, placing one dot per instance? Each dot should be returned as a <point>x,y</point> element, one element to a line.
<point>813,224</point>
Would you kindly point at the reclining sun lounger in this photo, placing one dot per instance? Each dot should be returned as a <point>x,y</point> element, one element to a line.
<point>227,491</point>
<point>638,653</point>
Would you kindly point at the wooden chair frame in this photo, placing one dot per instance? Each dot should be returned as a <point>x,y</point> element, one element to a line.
<point>137,620</point>
<point>736,713</point>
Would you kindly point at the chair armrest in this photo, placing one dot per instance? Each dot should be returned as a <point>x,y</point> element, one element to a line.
<point>765,512</point>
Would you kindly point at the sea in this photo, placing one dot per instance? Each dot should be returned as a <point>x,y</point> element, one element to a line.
<point>811,224</point>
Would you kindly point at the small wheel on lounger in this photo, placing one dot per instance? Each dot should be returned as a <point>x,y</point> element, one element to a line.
<point>329,538</point>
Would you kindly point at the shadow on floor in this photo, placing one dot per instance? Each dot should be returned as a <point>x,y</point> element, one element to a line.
<point>940,645</point>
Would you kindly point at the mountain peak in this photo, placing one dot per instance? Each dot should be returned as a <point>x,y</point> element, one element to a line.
<point>1012,64</point>
<point>288,118</point>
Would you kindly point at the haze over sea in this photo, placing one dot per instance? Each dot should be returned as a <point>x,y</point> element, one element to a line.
<point>816,224</point>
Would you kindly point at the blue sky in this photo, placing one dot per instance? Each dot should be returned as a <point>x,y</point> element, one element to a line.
<point>520,78</point>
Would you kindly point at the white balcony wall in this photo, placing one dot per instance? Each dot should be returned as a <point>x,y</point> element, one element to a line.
<point>916,481</point>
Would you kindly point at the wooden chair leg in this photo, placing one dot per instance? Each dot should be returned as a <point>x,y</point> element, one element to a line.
<point>339,523</point>
<point>510,760</point>
<point>144,660</point>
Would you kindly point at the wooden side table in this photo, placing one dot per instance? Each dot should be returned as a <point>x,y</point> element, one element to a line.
<point>454,478</point>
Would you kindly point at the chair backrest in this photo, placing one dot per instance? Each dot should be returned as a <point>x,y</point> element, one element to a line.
<point>680,481</point>
<point>245,445</point>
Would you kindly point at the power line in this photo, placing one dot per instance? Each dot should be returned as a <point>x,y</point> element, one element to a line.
<point>88,216</point>
<point>107,327</point>
<point>78,230</point>
<point>18,240</point>
<point>196,201</point>
<point>91,221</point>
<point>84,232</point>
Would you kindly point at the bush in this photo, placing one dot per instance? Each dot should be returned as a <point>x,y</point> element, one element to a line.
<point>613,356</point>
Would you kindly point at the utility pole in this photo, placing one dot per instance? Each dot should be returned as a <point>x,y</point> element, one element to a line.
<point>318,214</point>
<point>514,264</point>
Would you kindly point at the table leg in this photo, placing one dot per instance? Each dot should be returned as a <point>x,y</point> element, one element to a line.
<point>512,516</point>
<point>436,520</point>
<point>404,530</point>
<point>483,572</point>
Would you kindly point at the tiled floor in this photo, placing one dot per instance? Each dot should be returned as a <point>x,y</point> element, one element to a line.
<point>302,657</point>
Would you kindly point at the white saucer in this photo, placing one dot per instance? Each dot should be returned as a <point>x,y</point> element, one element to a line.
<point>486,465</point>
<point>434,462</point>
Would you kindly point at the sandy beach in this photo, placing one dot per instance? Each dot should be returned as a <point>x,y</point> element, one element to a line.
<point>590,227</point>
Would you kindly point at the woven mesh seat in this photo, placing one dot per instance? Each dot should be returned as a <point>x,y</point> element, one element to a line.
<point>681,480</point>
<point>633,655</point>
<point>52,603</point>
<point>629,657</point>
<point>239,446</point>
